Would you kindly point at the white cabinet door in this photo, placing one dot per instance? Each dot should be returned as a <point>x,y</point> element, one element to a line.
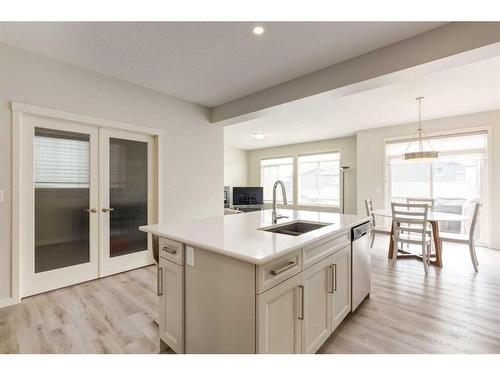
<point>171,304</point>
<point>341,262</point>
<point>318,289</point>
<point>280,314</point>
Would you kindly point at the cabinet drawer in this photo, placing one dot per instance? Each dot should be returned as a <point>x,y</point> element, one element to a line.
<point>276,271</point>
<point>317,251</point>
<point>172,250</point>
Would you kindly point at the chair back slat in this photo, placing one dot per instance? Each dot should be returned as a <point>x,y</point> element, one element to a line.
<point>408,213</point>
<point>409,218</point>
<point>428,201</point>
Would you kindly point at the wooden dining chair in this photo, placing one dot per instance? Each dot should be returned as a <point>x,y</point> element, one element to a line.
<point>466,239</point>
<point>376,229</point>
<point>409,223</point>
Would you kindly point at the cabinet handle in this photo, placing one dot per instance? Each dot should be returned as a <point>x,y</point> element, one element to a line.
<point>330,290</point>
<point>159,282</point>
<point>91,210</point>
<point>334,277</point>
<point>107,209</point>
<point>301,317</point>
<point>170,251</point>
<point>286,267</point>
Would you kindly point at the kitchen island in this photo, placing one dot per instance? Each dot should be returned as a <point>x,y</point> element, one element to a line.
<point>243,284</point>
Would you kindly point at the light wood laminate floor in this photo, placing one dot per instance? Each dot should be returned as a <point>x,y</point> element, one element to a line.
<point>452,310</point>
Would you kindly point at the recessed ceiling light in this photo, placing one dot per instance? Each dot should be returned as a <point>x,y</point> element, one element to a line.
<point>258,135</point>
<point>258,30</point>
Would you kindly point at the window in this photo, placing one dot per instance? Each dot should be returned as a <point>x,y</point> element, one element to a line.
<point>456,179</point>
<point>277,169</point>
<point>318,181</point>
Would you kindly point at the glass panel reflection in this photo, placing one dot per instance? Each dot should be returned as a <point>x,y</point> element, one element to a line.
<point>128,195</point>
<point>61,177</point>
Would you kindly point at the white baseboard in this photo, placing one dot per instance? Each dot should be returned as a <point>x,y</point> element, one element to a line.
<point>8,302</point>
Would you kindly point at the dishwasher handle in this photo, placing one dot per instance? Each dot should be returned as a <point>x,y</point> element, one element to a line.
<point>361,230</point>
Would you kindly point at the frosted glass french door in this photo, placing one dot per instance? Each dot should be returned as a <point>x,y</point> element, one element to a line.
<point>126,162</point>
<point>61,198</point>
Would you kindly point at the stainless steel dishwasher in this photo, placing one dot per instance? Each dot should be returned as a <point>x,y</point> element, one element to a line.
<point>361,263</point>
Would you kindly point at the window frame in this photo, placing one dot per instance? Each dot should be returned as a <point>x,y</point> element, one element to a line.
<point>293,200</point>
<point>339,206</point>
<point>487,129</point>
<point>290,199</point>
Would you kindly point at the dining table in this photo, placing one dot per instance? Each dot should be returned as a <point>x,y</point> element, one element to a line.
<point>433,217</point>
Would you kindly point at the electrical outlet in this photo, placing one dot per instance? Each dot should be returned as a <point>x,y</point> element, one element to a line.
<point>1,196</point>
<point>190,256</point>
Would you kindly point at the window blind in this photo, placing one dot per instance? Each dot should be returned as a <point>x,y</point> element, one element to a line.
<point>61,159</point>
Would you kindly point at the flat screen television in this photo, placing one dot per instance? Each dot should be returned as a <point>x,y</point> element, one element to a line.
<point>248,196</point>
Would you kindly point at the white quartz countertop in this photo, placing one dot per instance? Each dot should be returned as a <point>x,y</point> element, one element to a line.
<point>238,236</point>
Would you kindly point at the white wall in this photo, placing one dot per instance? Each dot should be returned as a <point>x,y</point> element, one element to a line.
<point>370,157</point>
<point>193,149</point>
<point>346,146</point>
<point>235,166</point>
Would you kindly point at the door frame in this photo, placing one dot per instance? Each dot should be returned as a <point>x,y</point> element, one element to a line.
<point>19,218</point>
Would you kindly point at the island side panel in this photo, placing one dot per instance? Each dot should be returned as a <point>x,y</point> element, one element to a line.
<point>219,304</point>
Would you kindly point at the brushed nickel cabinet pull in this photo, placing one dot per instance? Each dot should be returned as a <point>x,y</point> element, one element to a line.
<point>91,210</point>
<point>301,317</point>
<point>159,282</point>
<point>335,278</point>
<point>107,209</point>
<point>286,267</point>
<point>170,251</point>
<point>331,278</point>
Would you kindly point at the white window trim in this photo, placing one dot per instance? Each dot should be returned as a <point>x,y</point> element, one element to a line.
<point>446,133</point>
<point>19,110</point>
<point>293,204</point>
<point>294,166</point>
<point>339,207</point>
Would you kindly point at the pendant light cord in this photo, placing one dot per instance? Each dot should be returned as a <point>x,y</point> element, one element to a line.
<point>419,130</point>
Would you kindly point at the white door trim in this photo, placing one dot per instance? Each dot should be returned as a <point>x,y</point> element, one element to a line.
<point>19,110</point>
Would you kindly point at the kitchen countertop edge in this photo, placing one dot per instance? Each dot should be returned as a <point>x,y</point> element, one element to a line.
<point>246,258</point>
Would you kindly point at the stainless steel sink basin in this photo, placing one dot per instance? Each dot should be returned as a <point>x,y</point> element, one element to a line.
<point>296,228</point>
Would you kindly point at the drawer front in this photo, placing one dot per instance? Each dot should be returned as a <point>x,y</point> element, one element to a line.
<point>276,271</point>
<point>317,251</point>
<point>172,250</point>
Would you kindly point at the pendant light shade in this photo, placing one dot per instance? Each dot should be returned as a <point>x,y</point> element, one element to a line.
<point>419,137</point>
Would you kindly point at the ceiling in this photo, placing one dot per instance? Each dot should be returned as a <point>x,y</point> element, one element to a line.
<point>209,63</point>
<point>466,89</point>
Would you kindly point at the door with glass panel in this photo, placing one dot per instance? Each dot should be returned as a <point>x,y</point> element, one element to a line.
<point>61,170</point>
<point>126,195</point>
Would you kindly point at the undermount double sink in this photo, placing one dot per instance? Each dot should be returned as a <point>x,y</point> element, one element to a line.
<point>295,228</point>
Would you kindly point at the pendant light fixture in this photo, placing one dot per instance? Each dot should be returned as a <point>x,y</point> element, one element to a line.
<point>420,137</point>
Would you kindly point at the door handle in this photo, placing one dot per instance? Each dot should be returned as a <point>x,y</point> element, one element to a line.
<point>107,209</point>
<point>330,290</point>
<point>91,210</point>
<point>334,286</point>
<point>301,317</point>
<point>159,281</point>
